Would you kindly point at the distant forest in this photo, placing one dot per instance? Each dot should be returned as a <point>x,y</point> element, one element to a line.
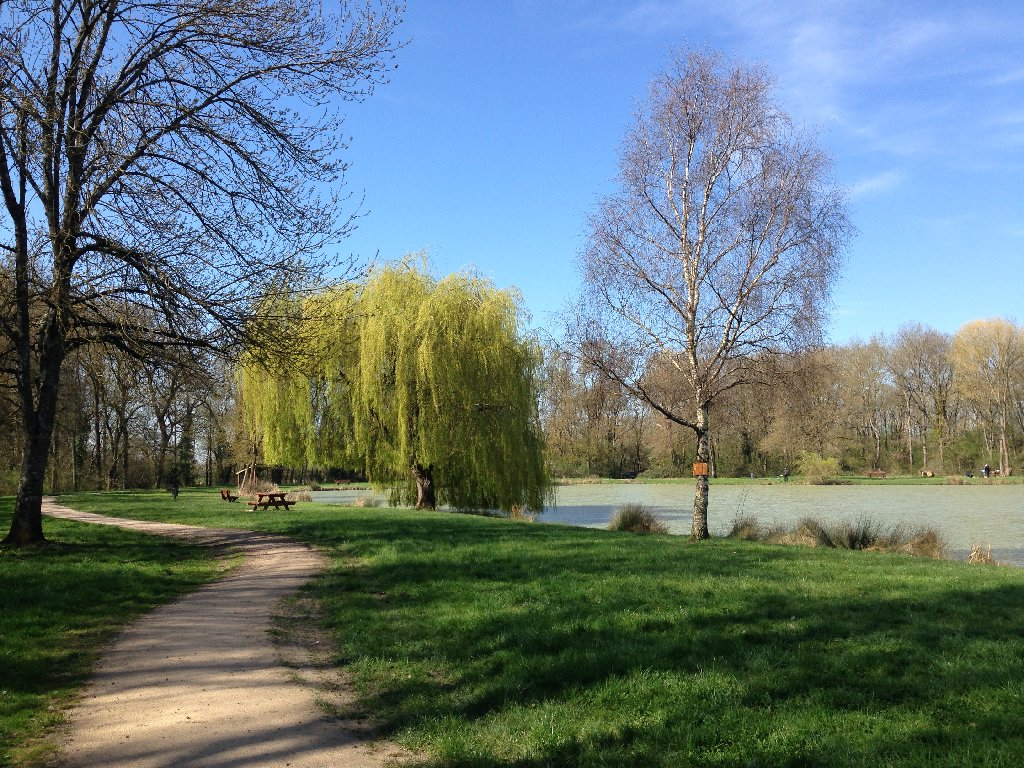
<point>920,400</point>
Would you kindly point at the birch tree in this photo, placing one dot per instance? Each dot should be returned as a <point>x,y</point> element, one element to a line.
<point>719,246</point>
<point>163,165</point>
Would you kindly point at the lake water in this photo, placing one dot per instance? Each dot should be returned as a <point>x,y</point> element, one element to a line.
<point>963,514</point>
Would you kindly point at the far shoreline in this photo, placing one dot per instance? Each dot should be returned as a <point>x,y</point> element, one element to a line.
<point>796,480</point>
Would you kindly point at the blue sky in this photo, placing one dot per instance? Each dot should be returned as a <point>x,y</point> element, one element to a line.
<point>499,132</point>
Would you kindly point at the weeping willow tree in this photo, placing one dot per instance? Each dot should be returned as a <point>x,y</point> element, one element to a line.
<point>426,385</point>
<point>295,402</point>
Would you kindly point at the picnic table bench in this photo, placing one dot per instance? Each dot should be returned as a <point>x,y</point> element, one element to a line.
<point>227,495</point>
<point>876,474</point>
<point>271,499</point>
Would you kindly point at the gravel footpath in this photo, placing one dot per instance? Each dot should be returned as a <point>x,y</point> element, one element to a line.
<point>199,682</point>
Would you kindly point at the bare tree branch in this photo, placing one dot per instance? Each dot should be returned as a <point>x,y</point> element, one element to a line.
<point>720,246</point>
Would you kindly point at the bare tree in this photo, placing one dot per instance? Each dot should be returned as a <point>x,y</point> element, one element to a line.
<point>720,245</point>
<point>163,165</point>
<point>988,357</point>
<point>921,368</point>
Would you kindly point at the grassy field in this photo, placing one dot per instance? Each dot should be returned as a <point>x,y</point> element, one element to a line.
<point>58,604</point>
<point>482,642</point>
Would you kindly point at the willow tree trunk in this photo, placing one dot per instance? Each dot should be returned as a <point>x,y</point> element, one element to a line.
<point>426,496</point>
<point>700,496</point>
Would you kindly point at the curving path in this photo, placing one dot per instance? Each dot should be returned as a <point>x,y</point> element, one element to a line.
<point>199,683</point>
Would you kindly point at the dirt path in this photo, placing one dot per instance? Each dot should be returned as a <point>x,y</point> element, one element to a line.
<point>199,682</point>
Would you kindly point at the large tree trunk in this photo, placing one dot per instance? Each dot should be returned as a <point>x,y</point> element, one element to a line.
<point>39,408</point>
<point>700,496</point>
<point>426,496</point>
<point>27,525</point>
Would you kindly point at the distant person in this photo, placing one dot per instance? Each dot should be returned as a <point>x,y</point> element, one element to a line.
<point>785,475</point>
<point>987,471</point>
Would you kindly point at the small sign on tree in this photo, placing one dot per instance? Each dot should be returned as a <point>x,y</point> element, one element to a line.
<point>700,469</point>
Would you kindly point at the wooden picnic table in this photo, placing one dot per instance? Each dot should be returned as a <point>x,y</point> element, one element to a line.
<point>270,499</point>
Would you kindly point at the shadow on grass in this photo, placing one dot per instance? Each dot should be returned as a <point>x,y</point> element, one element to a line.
<point>486,643</point>
<point>651,651</point>
<point>59,603</point>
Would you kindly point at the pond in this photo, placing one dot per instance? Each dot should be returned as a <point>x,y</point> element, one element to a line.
<point>963,514</point>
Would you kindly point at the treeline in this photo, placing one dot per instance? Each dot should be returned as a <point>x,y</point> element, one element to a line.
<point>122,423</point>
<point>920,400</point>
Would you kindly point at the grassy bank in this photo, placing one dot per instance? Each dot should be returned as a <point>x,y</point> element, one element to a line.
<point>483,642</point>
<point>58,604</point>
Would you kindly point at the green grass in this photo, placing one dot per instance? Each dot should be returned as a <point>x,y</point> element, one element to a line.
<point>59,603</point>
<point>482,642</point>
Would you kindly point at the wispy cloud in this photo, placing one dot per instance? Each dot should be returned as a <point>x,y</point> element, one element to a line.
<point>1009,77</point>
<point>910,80</point>
<point>882,182</point>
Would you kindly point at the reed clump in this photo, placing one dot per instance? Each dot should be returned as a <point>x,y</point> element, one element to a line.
<point>519,512</point>
<point>636,518</point>
<point>981,556</point>
<point>367,502</point>
<point>864,534</point>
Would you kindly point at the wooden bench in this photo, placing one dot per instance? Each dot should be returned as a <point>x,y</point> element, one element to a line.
<point>876,474</point>
<point>273,499</point>
<point>227,495</point>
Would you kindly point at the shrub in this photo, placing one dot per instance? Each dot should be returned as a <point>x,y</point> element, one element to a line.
<point>815,470</point>
<point>636,518</point>
<point>298,496</point>
<point>659,471</point>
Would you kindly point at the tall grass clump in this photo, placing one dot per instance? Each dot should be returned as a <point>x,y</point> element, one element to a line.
<point>864,534</point>
<point>636,518</point>
<point>367,502</point>
<point>521,513</point>
<point>747,528</point>
<point>980,556</point>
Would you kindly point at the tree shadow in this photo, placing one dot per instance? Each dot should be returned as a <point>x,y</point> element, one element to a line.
<point>483,625</point>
